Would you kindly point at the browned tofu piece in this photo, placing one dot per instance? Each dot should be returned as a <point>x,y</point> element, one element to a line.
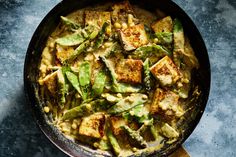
<point>64,53</point>
<point>163,25</point>
<point>50,81</point>
<point>97,18</point>
<point>120,12</point>
<point>116,123</point>
<point>165,71</point>
<point>93,125</point>
<point>167,102</point>
<point>133,37</point>
<point>129,71</point>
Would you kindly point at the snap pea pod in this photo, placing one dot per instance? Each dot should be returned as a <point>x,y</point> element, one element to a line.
<point>61,88</point>
<point>128,103</point>
<point>113,141</point>
<point>101,35</point>
<point>71,40</point>
<point>81,38</point>
<point>84,79</point>
<point>150,50</point>
<point>71,24</point>
<point>135,135</point>
<point>78,37</point>
<point>86,109</point>
<point>147,75</point>
<point>81,48</point>
<point>164,38</point>
<point>99,83</point>
<point>116,86</point>
<point>178,42</point>
<point>138,113</point>
<point>84,73</point>
<point>125,88</point>
<point>73,79</point>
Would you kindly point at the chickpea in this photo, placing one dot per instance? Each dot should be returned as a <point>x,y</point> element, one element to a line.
<point>155,40</point>
<point>108,30</point>
<point>107,44</point>
<point>124,26</point>
<point>74,126</point>
<point>117,25</point>
<point>46,109</point>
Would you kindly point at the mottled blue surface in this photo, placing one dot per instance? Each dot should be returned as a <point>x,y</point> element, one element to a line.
<point>214,136</point>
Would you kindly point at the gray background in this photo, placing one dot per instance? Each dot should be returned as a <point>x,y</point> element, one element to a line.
<point>214,136</point>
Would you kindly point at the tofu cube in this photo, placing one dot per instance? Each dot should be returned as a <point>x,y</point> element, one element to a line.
<point>97,18</point>
<point>116,123</point>
<point>64,53</point>
<point>129,71</point>
<point>167,102</point>
<point>120,12</point>
<point>133,37</point>
<point>163,25</point>
<point>93,126</point>
<point>165,71</point>
<point>50,81</point>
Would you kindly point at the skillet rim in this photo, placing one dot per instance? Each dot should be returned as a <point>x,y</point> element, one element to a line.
<point>65,146</point>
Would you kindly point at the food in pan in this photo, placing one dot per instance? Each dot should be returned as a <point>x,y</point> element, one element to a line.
<point>117,78</point>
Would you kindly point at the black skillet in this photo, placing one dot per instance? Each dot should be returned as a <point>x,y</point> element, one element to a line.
<point>49,23</point>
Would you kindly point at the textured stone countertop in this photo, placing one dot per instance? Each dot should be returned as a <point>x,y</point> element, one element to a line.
<point>214,136</point>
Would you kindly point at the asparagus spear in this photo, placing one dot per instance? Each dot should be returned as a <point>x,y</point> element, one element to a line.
<point>86,108</point>
<point>128,103</point>
<point>149,50</point>
<point>135,135</point>
<point>147,75</point>
<point>141,115</point>
<point>113,141</point>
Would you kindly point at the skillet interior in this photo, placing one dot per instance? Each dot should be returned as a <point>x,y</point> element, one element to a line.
<point>47,26</point>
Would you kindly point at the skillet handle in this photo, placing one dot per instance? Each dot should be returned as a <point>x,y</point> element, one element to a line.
<point>181,152</point>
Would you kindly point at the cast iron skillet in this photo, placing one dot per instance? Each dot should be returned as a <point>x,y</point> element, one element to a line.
<point>49,23</point>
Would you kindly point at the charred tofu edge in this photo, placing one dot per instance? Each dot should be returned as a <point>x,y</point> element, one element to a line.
<point>133,37</point>
<point>93,125</point>
<point>129,71</point>
<point>166,102</point>
<point>121,10</point>
<point>97,18</point>
<point>163,25</point>
<point>116,123</point>
<point>50,81</point>
<point>165,71</point>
